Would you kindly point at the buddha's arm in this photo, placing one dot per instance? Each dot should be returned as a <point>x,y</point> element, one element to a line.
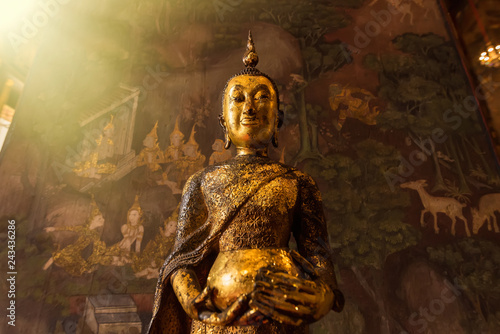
<point>312,237</point>
<point>192,214</point>
<point>186,288</point>
<point>195,300</point>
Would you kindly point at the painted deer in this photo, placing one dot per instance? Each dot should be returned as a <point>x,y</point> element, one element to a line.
<point>449,206</point>
<point>488,204</point>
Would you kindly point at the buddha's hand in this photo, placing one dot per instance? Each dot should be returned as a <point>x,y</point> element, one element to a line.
<point>290,299</point>
<point>208,314</point>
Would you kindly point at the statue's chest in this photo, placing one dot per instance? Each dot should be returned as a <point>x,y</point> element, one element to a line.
<point>265,212</point>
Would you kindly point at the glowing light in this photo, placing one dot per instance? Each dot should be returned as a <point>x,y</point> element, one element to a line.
<point>481,58</point>
<point>490,49</point>
<point>483,54</point>
<point>12,13</point>
<point>497,47</point>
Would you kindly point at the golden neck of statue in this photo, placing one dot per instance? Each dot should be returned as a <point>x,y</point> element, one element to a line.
<point>260,152</point>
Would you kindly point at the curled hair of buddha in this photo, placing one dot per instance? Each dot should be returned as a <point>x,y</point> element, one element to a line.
<point>251,59</point>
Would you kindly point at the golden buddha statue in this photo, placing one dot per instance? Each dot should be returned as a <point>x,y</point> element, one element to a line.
<point>231,270</point>
<point>70,257</point>
<point>151,155</point>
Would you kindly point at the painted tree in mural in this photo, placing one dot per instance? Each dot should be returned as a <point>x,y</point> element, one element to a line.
<point>309,24</point>
<point>429,99</point>
<point>365,216</point>
<point>473,266</point>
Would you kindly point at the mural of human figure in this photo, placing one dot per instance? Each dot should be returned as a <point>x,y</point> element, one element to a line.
<point>133,232</point>
<point>95,162</point>
<point>70,257</point>
<point>193,160</point>
<point>220,154</point>
<point>149,262</point>
<point>151,155</point>
<point>174,150</point>
<point>165,181</point>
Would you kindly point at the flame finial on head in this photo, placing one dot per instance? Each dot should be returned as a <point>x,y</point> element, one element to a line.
<point>250,58</point>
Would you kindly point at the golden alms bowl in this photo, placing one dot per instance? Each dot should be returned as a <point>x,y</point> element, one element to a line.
<point>233,272</point>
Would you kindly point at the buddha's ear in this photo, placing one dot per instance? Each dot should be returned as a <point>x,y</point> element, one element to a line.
<point>222,122</point>
<point>227,140</point>
<point>281,116</point>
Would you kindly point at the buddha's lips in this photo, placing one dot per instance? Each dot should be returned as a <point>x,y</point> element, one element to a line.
<point>249,121</point>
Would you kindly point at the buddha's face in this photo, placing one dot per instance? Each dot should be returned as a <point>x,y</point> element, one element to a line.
<point>250,111</point>
<point>133,217</point>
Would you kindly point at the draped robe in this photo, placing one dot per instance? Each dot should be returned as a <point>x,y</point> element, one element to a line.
<point>246,202</point>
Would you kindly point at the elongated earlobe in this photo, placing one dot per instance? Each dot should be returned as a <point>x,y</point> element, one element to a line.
<point>275,139</point>
<point>227,141</point>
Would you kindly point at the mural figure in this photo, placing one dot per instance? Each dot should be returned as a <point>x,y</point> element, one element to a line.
<point>151,155</point>
<point>487,206</point>
<point>133,231</point>
<point>174,150</point>
<point>449,206</point>
<point>165,181</point>
<point>353,103</point>
<point>220,154</point>
<point>70,257</point>
<point>192,161</point>
<point>240,214</point>
<point>149,262</point>
<point>96,162</point>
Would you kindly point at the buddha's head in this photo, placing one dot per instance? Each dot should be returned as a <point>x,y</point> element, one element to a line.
<point>250,108</point>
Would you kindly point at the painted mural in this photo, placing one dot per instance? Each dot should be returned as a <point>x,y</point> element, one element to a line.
<point>121,107</point>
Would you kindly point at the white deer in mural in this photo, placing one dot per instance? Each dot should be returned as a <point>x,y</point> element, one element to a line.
<point>487,206</point>
<point>449,206</point>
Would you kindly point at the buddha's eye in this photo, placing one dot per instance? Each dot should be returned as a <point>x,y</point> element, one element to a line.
<point>261,96</point>
<point>237,98</point>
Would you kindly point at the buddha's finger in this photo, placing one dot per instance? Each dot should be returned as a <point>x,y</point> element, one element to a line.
<point>203,296</point>
<point>294,307</point>
<point>304,264</point>
<point>235,310</point>
<point>270,312</point>
<point>290,282</point>
<point>294,297</point>
<point>277,278</point>
<point>259,285</point>
<point>251,317</point>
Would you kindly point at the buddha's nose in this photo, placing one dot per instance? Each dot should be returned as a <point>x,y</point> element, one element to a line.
<point>249,108</point>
